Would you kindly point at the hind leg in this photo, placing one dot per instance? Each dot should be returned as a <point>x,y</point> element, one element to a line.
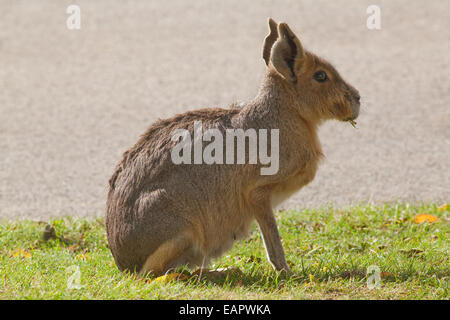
<point>191,257</point>
<point>163,258</point>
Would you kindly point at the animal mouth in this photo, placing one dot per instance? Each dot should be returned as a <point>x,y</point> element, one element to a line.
<point>352,122</point>
<point>355,112</point>
<point>351,119</point>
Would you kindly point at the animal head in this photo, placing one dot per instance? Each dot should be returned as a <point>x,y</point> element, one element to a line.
<point>316,89</point>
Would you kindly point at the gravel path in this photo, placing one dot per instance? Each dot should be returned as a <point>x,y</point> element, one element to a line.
<point>71,102</point>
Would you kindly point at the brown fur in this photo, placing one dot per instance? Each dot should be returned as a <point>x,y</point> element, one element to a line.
<point>161,215</point>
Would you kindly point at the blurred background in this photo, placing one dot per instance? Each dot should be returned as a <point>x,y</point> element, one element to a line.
<point>72,101</point>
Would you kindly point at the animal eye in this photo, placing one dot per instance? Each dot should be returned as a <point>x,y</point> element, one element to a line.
<point>320,76</point>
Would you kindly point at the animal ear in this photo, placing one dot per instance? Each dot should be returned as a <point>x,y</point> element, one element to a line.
<point>270,40</point>
<point>286,53</point>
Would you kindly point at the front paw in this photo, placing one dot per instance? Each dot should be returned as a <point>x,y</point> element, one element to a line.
<point>284,269</point>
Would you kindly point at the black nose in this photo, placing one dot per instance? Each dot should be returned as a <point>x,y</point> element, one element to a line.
<point>357,98</point>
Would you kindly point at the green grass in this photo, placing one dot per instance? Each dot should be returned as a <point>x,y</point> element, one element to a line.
<point>328,250</point>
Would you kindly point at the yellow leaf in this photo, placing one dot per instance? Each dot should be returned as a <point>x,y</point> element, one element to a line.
<point>21,253</point>
<point>170,277</point>
<point>83,256</point>
<point>420,218</point>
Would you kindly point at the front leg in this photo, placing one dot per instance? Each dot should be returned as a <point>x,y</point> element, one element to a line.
<point>266,220</point>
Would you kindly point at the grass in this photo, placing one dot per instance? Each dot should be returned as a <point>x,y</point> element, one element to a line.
<point>329,252</point>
